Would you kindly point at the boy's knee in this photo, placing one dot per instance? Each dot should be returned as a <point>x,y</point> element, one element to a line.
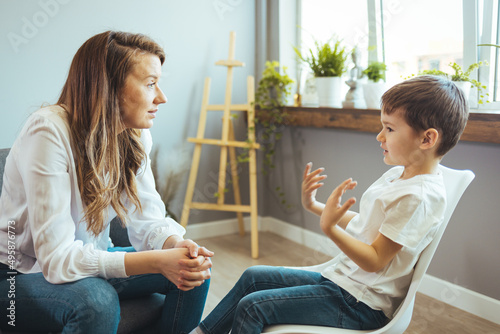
<point>253,308</point>
<point>256,271</point>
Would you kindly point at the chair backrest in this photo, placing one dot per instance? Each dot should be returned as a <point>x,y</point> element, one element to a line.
<point>455,182</point>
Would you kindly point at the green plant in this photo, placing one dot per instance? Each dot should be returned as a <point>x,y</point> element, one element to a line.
<point>271,94</point>
<point>495,45</point>
<point>375,71</point>
<point>272,91</point>
<point>327,59</point>
<point>460,75</point>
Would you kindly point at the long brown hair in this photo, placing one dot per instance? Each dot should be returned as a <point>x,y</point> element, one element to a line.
<point>107,157</point>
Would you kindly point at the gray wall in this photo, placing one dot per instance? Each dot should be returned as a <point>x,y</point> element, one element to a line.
<point>38,39</point>
<point>468,253</point>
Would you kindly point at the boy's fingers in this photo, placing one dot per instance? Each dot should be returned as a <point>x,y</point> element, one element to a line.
<point>315,180</point>
<point>343,185</point>
<point>314,187</point>
<point>340,190</point>
<point>307,169</point>
<point>347,205</point>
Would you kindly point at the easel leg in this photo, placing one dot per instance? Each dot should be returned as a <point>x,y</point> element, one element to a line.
<point>191,183</point>
<point>188,199</point>
<point>253,205</point>
<point>235,179</point>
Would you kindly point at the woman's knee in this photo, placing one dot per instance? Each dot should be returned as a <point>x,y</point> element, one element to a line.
<point>96,300</point>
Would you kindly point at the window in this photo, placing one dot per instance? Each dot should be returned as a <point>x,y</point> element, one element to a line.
<point>488,32</point>
<point>410,36</point>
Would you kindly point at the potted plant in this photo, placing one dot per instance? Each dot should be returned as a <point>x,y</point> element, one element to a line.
<point>375,87</point>
<point>328,62</point>
<point>462,79</point>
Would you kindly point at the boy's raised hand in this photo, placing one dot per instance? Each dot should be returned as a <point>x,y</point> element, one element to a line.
<point>311,181</point>
<point>334,210</point>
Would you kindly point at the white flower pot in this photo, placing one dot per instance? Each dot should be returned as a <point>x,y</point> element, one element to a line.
<point>328,89</point>
<point>465,87</point>
<point>373,92</point>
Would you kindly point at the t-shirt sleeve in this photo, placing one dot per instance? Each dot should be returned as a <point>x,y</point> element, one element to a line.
<point>410,219</point>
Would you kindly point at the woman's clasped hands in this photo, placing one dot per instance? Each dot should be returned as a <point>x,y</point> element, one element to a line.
<point>186,264</point>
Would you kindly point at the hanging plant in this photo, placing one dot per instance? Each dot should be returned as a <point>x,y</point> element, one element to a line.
<point>272,92</point>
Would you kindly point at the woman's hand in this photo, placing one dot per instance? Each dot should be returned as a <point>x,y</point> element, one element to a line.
<point>186,272</point>
<point>194,248</point>
<point>182,262</point>
<point>310,184</point>
<point>334,210</point>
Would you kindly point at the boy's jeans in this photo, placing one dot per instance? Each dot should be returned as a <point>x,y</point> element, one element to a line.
<point>273,295</point>
<point>91,305</point>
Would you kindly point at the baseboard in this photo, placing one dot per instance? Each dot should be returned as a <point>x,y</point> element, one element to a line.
<point>449,293</point>
<point>217,228</point>
<point>462,298</point>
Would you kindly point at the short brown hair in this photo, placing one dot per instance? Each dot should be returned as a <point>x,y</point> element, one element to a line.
<point>430,102</point>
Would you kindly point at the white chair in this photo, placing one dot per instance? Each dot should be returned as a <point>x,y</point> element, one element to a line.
<point>455,181</point>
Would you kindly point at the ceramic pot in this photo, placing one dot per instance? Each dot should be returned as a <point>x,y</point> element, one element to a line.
<point>464,86</point>
<point>373,92</point>
<point>328,89</point>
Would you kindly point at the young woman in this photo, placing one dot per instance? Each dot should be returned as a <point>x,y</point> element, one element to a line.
<point>74,167</point>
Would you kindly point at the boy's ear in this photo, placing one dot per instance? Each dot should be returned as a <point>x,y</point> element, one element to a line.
<point>430,138</point>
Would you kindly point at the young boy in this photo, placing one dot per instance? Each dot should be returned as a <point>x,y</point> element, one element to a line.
<point>422,119</point>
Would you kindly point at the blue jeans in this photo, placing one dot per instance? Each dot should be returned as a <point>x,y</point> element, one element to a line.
<point>91,305</point>
<point>276,295</point>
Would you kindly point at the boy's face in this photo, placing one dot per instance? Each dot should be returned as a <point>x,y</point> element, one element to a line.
<point>399,141</point>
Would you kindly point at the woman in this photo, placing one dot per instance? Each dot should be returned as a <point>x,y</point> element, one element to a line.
<point>76,165</point>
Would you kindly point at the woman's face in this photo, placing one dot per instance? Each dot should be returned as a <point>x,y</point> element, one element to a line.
<point>141,95</point>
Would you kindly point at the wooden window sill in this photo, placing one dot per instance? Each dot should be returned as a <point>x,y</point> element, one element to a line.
<point>481,127</point>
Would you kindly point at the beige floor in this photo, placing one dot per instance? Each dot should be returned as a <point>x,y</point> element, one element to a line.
<point>232,257</point>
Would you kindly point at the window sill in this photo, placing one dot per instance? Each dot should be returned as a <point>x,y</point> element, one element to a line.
<point>481,127</point>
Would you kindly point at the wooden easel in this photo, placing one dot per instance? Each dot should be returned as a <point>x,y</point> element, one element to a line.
<point>227,143</point>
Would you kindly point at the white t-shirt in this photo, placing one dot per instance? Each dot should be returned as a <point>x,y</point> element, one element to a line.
<point>409,212</point>
<point>41,199</point>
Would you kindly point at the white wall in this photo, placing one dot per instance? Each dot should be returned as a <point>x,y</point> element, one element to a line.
<point>38,39</point>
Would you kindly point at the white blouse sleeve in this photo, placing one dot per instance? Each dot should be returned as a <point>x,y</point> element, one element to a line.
<point>150,228</point>
<point>44,162</point>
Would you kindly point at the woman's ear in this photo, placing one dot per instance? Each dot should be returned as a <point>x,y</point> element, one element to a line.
<point>429,139</point>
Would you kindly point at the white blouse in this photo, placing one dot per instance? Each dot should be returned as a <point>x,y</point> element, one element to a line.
<point>41,210</point>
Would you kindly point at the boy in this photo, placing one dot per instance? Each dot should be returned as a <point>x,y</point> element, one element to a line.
<point>422,119</point>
